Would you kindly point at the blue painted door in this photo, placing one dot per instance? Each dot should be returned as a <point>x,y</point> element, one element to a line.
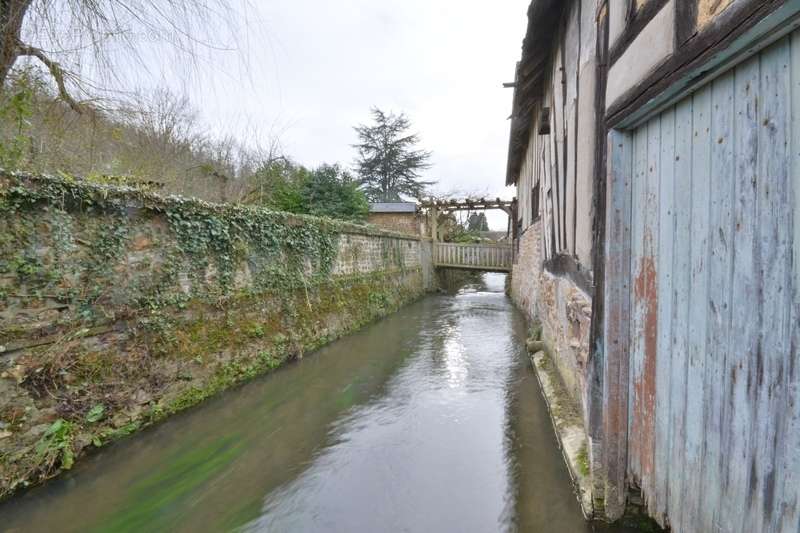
<point>714,377</point>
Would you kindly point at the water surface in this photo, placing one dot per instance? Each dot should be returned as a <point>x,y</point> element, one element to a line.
<point>428,421</point>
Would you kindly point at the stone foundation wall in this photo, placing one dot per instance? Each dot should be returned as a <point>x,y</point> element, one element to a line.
<point>563,310</point>
<point>565,313</point>
<point>119,307</point>
<point>527,270</point>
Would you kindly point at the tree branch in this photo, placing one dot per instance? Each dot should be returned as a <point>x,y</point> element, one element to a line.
<point>58,73</point>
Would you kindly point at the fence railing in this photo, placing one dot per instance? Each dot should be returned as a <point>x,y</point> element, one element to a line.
<point>491,257</point>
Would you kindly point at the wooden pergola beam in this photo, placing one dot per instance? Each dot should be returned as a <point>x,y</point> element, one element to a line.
<point>469,205</point>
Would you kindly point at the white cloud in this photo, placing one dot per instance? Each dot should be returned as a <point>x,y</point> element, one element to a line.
<point>315,68</point>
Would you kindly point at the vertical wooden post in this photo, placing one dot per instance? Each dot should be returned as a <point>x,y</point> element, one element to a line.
<point>434,224</point>
<point>616,322</point>
<point>514,230</point>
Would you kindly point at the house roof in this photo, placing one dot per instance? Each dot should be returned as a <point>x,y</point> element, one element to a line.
<point>543,17</point>
<point>393,207</point>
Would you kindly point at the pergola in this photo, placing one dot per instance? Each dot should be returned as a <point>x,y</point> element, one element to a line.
<point>435,207</point>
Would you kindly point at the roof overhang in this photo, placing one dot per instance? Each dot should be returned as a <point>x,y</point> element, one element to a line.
<point>543,18</point>
<point>393,207</point>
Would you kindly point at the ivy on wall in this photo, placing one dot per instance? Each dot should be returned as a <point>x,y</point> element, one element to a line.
<point>119,307</point>
<point>79,243</point>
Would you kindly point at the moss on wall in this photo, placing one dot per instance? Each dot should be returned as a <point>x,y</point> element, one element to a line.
<point>120,307</point>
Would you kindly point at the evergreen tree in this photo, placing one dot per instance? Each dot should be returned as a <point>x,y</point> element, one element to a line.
<point>332,192</point>
<point>328,191</point>
<point>477,222</point>
<point>388,163</point>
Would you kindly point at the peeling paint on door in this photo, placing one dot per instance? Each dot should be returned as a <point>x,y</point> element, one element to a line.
<point>702,263</point>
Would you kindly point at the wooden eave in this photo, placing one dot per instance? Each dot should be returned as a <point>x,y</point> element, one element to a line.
<point>543,17</point>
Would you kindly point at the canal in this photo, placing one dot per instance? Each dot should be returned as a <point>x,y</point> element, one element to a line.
<point>428,421</point>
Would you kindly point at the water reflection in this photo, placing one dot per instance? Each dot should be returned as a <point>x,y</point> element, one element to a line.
<point>428,421</point>
<point>455,362</point>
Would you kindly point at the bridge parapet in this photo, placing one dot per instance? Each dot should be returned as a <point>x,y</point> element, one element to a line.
<point>488,257</point>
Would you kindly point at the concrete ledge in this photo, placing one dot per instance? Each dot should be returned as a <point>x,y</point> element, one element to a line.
<point>568,425</point>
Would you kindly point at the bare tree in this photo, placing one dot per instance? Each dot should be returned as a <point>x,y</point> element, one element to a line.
<point>151,137</point>
<point>68,36</point>
<point>12,13</point>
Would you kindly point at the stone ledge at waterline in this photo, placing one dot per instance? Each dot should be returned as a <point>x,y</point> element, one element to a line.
<point>119,307</point>
<point>567,422</point>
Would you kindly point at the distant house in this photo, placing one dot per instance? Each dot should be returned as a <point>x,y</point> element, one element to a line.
<point>396,216</point>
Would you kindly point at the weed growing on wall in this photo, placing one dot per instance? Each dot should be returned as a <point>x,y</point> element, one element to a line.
<point>56,445</point>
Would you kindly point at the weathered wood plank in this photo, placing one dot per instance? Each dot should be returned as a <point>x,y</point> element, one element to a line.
<point>572,71</point>
<point>647,154</point>
<point>794,158</point>
<point>617,321</point>
<point>774,211</point>
<point>698,298</point>
<point>638,194</point>
<point>646,286</point>
<point>682,192</point>
<point>743,335</point>
<point>557,146</point>
<point>547,192</point>
<point>790,492</point>
<point>666,238</point>
<point>543,207</point>
<point>719,293</point>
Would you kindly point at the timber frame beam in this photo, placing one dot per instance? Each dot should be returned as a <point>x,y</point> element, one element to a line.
<point>470,205</point>
<point>445,207</point>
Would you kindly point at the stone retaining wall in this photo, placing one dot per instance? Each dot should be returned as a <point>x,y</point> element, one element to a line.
<point>563,310</point>
<point>119,307</point>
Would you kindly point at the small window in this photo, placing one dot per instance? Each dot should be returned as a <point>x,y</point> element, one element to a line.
<point>535,203</point>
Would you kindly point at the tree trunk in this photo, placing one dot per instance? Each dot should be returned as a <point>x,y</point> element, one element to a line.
<point>12,13</point>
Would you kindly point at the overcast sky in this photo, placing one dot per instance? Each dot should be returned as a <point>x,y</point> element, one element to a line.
<point>314,68</point>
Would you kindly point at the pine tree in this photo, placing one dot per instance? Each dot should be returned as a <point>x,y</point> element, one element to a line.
<point>388,164</point>
<point>477,222</point>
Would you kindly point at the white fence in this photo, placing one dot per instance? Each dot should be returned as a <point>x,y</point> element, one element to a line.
<point>490,257</point>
